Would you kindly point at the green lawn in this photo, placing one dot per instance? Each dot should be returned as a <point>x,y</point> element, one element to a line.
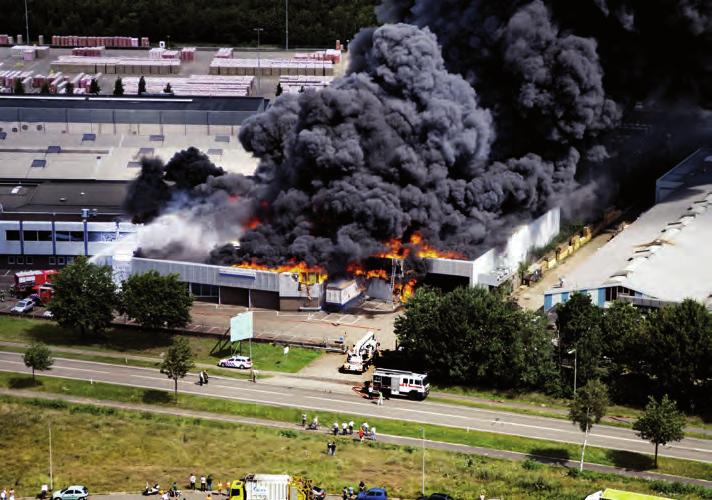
<point>113,450</point>
<point>148,343</point>
<point>630,460</point>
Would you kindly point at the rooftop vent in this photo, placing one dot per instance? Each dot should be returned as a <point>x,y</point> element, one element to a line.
<point>156,138</point>
<point>88,137</point>
<point>215,152</point>
<point>222,138</point>
<point>38,163</point>
<point>54,149</point>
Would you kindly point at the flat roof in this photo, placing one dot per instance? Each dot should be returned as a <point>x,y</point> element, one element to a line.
<point>664,254</point>
<point>253,104</point>
<point>61,197</point>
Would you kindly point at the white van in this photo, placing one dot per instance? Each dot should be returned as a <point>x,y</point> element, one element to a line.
<point>401,383</point>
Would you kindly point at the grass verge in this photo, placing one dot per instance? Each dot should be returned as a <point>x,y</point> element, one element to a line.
<point>562,451</point>
<point>121,450</point>
<point>149,343</point>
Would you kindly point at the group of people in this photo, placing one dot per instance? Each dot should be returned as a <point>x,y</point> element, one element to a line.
<point>346,428</point>
<point>366,432</point>
<point>348,492</point>
<point>7,495</point>
<point>331,448</point>
<point>202,377</point>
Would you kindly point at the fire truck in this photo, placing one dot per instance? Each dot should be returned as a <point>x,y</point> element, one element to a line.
<point>35,282</point>
<point>401,383</point>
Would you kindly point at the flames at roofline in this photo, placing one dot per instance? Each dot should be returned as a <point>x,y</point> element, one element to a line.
<point>403,285</point>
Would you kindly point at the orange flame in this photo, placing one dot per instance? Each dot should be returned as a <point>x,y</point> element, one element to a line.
<point>253,223</point>
<point>307,274</point>
<point>425,251</point>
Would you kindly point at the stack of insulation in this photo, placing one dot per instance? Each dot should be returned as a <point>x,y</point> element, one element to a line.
<point>4,40</point>
<point>271,67</point>
<point>224,53</point>
<point>321,55</point>
<point>28,52</point>
<point>156,53</point>
<point>195,85</point>
<point>170,54</point>
<point>97,41</point>
<point>89,51</point>
<point>294,84</point>
<point>9,77</point>
<point>83,81</point>
<point>187,54</point>
<point>116,65</point>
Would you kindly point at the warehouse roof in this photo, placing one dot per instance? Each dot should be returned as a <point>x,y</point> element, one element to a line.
<point>253,104</point>
<point>664,254</point>
<point>62,197</point>
<point>693,170</point>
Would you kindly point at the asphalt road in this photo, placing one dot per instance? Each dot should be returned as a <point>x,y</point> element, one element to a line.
<point>414,411</point>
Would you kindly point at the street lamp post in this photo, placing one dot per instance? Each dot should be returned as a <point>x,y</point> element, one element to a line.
<point>259,68</point>
<point>27,25</point>
<point>422,486</point>
<point>286,24</point>
<point>573,351</point>
<point>51,483</point>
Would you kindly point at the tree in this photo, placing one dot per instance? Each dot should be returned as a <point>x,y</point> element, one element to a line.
<point>94,87</point>
<point>471,336</point>
<point>84,297</point>
<point>279,90</point>
<point>587,408</point>
<point>168,89</point>
<point>156,301</point>
<point>141,85</point>
<point>19,88</point>
<point>69,88</point>
<point>118,87</point>
<point>38,357</point>
<point>178,361</point>
<point>661,423</point>
<point>579,325</point>
<point>44,89</point>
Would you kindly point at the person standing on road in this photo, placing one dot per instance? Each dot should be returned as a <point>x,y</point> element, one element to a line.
<point>3,494</point>
<point>192,481</point>
<point>304,419</point>
<point>210,482</point>
<point>361,487</point>
<point>344,428</point>
<point>333,448</point>
<point>351,427</point>
<point>205,376</point>
<point>12,494</point>
<point>202,482</point>
<point>380,399</point>
<point>200,379</point>
<point>373,433</point>
<point>360,434</point>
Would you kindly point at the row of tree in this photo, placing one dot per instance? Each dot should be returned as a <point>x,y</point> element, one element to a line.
<point>473,337</point>
<point>86,298</point>
<point>312,23</point>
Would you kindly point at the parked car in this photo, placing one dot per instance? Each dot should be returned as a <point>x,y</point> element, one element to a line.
<point>23,306</point>
<point>373,494</point>
<point>242,362</point>
<point>436,496</point>
<point>318,493</point>
<point>76,492</point>
<point>48,314</point>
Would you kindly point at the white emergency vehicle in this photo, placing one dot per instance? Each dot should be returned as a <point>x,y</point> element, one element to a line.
<point>400,383</point>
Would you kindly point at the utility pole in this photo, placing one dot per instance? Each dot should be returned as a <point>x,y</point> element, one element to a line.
<point>422,486</point>
<point>27,25</point>
<point>286,24</point>
<point>259,68</point>
<point>573,351</point>
<point>51,485</point>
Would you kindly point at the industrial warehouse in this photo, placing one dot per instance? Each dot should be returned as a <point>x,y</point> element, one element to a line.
<point>662,257</point>
<point>297,289</point>
<point>67,162</point>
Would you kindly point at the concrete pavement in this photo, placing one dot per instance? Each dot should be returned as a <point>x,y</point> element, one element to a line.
<point>419,412</point>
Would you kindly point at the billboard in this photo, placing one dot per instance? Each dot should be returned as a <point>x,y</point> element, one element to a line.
<point>241,326</point>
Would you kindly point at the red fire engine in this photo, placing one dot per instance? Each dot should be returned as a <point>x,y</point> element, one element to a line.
<point>35,282</point>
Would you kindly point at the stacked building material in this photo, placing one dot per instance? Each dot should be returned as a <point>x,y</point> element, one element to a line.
<point>4,39</point>
<point>295,84</point>
<point>224,53</point>
<point>97,41</point>
<point>29,52</point>
<point>271,67</point>
<point>9,77</point>
<point>84,81</point>
<point>89,51</point>
<point>195,85</point>
<point>156,53</point>
<point>187,54</point>
<point>116,65</point>
<point>332,55</point>
<point>171,54</point>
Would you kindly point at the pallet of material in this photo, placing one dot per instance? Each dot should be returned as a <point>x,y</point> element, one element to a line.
<point>96,51</point>
<point>271,67</point>
<point>116,65</point>
<point>332,55</point>
<point>96,41</point>
<point>294,84</point>
<point>208,85</point>
<point>224,53</point>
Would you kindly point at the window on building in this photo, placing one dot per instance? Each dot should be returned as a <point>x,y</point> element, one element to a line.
<point>101,236</point>
<point>60,261</point>
<point>70,260</point>
<point>44,235</point>
<point>88,137</point>
<point>54,149</point>
<point>202,290</point>
<point>38,163</point>
<point>62,235</point>
<point>29,235</point>
<point>29,259</point>
<point>3,135</point>
<point>222,138</point>
<point>133,164</point>
<point>12,235</point>
<point>19,259</point>
<point>11,259</point>
<point>156,138</point>
<point>215,152</point>
<point>77,235</point>
<point>52,260</point>
<point>145,152</point>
